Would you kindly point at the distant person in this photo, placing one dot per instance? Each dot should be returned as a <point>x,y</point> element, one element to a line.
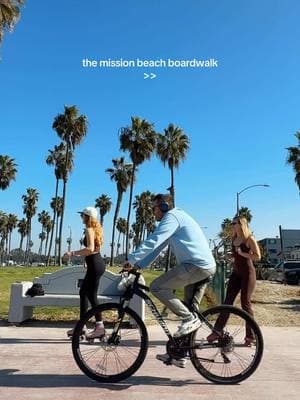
<point>245,250</point>
<point>92,241</point>
<point>194,258</point>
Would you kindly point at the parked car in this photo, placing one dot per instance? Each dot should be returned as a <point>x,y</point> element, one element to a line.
<point>288,272</point>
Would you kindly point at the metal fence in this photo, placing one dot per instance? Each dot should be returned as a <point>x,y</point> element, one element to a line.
<point>223,270</point>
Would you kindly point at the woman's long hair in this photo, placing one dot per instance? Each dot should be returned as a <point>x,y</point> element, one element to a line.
<point>91,222</point>
<point>245,230</point>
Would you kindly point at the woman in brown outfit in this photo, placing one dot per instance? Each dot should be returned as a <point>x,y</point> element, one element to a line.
<point>245,250</point>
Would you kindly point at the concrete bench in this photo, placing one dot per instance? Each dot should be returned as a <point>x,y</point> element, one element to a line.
<point>62,290</point>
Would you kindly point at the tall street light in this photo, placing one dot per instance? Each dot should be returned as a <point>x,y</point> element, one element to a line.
<point>238,195</point>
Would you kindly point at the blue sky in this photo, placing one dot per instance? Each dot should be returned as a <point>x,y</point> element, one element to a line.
<point>240,116</point>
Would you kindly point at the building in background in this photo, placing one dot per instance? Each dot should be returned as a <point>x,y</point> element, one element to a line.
<point>272,247</point>
<point>290,242</point>
<point>284,247</point>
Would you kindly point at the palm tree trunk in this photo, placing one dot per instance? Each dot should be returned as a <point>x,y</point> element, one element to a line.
<point>63,204</point>
<point>28,241</point>
<point>172,188</point>
<point>40,248</point>
<point>6,243</point>
<point>26,244</point>
<point>120,195</point>
<point>46,244</point>
<point>129,210</point>
<point>101,219</point>
<point>62,222</point>
<point>21,242</point>
<point>9,244</point>
<point>141,228</point>
<point>118,244</point>
<point>56,238</point>
<point>53,223</point>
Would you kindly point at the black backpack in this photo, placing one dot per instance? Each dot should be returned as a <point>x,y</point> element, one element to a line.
<point>35,290</point>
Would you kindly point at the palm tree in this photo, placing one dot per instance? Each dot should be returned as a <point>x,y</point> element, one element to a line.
<point>104,204</point>
<point>71,128</point>
<point>48,228</point>
<point>57,157</point>
<point>9,15</point>
<point>225,235</point>
<point>30,206</point>
<point>23,231</point>
<point>139,140</point>
<point>144,216</point>
<point>56,204</point>
<point>122,228</point>
<point>3,234</point>
<point>226,229</point>
<point>12,221</point>
<point>294,159</point>
<point>42,237</point>
<point>8,170</point>
<point>246,213</point>
<point>121,173</point>
<point>43,218</point>
<point>172,148</point>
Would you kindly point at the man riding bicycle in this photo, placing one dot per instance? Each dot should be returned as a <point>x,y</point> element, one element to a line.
<point>194,259</point>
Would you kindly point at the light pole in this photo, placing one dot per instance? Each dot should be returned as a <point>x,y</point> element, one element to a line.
<point>238,195</point>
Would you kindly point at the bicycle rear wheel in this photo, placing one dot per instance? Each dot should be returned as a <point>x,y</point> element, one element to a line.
<point>229,359</point>
<point>120,352</point>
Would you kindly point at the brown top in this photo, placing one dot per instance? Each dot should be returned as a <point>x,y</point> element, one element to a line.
<point>239,260</point>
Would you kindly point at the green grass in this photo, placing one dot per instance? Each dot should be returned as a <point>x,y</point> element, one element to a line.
<point>9,275</point>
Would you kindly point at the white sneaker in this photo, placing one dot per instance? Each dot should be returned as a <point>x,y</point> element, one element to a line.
<point>97,332</point>
<point>188,326</point>
<point>179,362</point>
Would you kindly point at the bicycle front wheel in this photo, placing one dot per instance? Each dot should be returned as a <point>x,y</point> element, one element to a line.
<point>119,352</point>
<point>230,358</point>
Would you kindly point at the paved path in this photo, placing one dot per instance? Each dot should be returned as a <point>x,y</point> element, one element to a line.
<point>36,363</point>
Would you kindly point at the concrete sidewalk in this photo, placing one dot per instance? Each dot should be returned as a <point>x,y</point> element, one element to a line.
<point>37,363</point>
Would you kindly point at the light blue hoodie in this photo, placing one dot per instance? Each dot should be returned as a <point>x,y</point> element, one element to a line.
<point>185,237</point>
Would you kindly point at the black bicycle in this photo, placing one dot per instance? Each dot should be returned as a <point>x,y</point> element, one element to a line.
<point>121,351</point>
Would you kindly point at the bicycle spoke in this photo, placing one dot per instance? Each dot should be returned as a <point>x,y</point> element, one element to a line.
<point>119,353</point>
<point>234,361</point>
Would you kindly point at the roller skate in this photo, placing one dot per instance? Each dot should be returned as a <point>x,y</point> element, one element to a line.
<point>97,333</point>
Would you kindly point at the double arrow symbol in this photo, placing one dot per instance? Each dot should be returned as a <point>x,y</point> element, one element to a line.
<point>151,76</point>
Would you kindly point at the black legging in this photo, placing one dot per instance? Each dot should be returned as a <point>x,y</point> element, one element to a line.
<point>89,286</point>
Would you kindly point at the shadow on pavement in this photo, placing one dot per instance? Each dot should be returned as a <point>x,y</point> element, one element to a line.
<point>26,341</point>
<point>10,378</point>
<point>152,343</point>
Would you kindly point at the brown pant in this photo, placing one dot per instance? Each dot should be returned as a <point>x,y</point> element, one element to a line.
<point>242,280</point>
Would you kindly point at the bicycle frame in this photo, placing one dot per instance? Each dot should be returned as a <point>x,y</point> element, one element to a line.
<point>138,290</point>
